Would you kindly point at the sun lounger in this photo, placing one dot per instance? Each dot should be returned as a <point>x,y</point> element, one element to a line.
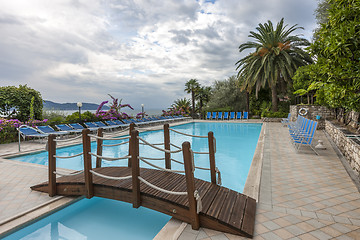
<point>238,115</point>
<point>213,117</point>
<point>208,115</point>
<point>103,125</point>
<point>219,116</point>
<point>67,128</point>
<point>26,131</point>
<point>305,137</point>
<point>285,121</point>
<point>232,115</point>
<point>226,115</point>
<point>49,130</point>
<point>246,115</point>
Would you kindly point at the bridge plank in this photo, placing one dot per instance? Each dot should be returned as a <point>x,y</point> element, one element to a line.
<point>216,205</point>
<point>238,211</point>
<point>249,216</point>
<point>209,197</point>
<point>228,207</point>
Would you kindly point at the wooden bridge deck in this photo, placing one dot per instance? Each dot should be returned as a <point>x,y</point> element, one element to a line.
<point>223,209</point>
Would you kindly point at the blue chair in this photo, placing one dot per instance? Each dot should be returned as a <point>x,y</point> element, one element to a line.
<point>220,116</point>
<point>92,126</point>
<point>232,115</point>
<point>246,115</point>
<point>103,125</point>
<point>285,121</point>
<point>213,117</point>
<point>305,137</point>
<point>208,115</point>
<point>49,130</point>
<point>238,115</point>
<point>26,131</point>
<point>120,123</point>
<point>67,128</point>
<point>113,124</point>
<point>226,115</point>
<point>77,126</point>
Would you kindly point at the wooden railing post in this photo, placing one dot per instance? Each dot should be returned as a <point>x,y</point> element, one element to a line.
<point>132,128</point>
<point>134,141</point>
<point>190,184</point>
<point>212,156</point>
<point>87,163</point>
<point>99,143</point>
<point>52,164</point>
<point>167,146</point>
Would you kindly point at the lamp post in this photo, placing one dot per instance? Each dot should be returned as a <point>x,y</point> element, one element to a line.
<point>79,104</point>
<point>142,110</point>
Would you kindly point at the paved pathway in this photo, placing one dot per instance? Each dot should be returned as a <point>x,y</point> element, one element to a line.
<point>302,195</point>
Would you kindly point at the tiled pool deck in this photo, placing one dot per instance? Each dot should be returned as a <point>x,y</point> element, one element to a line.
<point>302,195</point>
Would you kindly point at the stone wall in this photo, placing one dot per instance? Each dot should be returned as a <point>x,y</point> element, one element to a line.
<point>312,112</point>
<point>349,147</point>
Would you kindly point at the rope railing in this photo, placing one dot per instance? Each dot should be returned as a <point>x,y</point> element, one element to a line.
<point>160,149</point>
<point>108,138</point>
<point>113,145</point>
<point>152,143</point>
<point>189,135</point>
<point>76,155</point>
<point>109,158</point>
<point>160,189</point>
<point>68,139</point>
<point>175,146</point>
<point>109,177</point>
<point>68,174</point>
<point>161,168</point>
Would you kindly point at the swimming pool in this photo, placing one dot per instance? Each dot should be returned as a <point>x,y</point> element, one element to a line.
<point>236,143</point>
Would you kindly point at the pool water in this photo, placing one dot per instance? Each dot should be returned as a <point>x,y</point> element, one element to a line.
<point>235,145</point>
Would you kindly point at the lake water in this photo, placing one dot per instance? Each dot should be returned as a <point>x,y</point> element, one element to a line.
<point>150,112</point>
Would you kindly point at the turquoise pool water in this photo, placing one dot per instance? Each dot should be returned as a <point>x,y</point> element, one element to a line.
<point>236,143</point>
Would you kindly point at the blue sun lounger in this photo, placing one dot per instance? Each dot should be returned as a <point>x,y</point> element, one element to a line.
<point>103,125</point>
<point>213,117</point>
<point>238,115</point>
<point>67,128</point>
<point>26,131</point>
<point>226,115</point>
<point>232,115</point>
<point>220,116</point>
<point>208,115</point>
<point>49,130</point>
<point>246,115</point>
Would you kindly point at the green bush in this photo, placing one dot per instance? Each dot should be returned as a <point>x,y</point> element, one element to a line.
<point>85,117</point>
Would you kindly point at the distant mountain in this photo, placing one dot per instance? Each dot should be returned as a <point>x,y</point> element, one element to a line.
<point>49,105</point>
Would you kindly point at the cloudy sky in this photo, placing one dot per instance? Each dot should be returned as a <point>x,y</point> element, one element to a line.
<point>142,51</point>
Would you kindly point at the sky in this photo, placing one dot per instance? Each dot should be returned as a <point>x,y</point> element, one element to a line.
<point>141,51</point>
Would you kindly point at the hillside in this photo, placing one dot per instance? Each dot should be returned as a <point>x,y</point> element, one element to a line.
<point>49,105</point>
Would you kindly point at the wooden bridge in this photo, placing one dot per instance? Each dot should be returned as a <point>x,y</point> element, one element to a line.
<point>182,196</point>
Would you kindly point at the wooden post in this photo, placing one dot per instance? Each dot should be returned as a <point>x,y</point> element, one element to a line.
<point>190,184</point>
<point>52,164</point>
<point>132,128</point>
<point>212,156</point>
<point>87,163</point>
<point>134,141</point>
<point>167,146</point>
<point>99,143</point>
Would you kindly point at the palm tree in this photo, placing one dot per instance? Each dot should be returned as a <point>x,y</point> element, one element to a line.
<point>181,103</point>
<point>203,95</point>
<point>276,57</point>
<point>192,87</point>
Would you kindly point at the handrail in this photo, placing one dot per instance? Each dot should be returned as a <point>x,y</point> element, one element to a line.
<point>160,149</point>
<point>113,145</point>
<point>76,155</point>
<point>110,177</point>
<point>160,189</point>
<point>68,174</point>
<point>164,169</point>
<point>109,158</point>
<point>108,138</point>
<point>187,134</point>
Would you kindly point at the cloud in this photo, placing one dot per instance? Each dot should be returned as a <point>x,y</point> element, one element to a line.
<point>139,50</point>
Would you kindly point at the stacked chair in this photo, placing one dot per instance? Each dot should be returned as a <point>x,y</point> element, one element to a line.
<point>302,132</point>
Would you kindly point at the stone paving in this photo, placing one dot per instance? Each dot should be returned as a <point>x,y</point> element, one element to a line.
<point>302,195</point>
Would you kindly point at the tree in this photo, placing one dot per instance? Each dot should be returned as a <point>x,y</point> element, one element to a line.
<point>16,102</point>
<point>336,72</point>
<point>203,95</point>
<point>192,86</point>
<point>226,95</point>
<point>276,57</point>
<point>183,103</point>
